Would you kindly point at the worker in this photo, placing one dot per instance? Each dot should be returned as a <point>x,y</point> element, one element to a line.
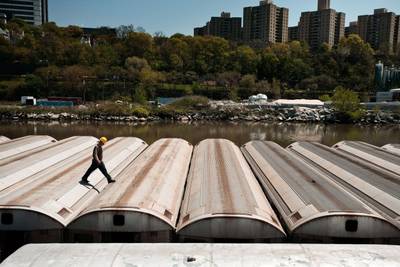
<point>97,162</point>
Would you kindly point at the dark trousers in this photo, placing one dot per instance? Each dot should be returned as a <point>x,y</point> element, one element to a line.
<point>95,166</point>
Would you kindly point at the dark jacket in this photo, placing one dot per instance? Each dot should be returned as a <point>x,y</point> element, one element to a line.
<point>98,154</point>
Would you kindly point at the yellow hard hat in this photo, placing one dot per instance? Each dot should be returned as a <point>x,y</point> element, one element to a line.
<point>104,140</point>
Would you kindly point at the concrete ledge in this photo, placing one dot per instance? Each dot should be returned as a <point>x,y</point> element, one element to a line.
<point>203,255</point>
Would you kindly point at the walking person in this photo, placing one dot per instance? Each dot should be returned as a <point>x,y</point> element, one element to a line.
<point>97,162</point>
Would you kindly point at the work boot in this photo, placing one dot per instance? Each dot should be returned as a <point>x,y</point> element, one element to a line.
<point>111,181</point>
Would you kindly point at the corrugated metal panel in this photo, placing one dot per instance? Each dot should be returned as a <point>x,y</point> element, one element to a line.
<point>309,202</point>
<point>31,164</point>
<point>376,187</point>
<point>20,145</point>
<point>52,198</point>
<point>203,255</point>
<point>4,139</point>
<point>20,156</point>
<point>148,193</point>
<point>223,198</point>
<point>372,154</point>
<point>393,148</point>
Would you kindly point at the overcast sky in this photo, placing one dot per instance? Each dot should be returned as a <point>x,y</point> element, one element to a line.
<point>181,16</point>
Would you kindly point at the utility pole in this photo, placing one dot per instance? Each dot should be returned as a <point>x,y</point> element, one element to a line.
<point>84,89</point>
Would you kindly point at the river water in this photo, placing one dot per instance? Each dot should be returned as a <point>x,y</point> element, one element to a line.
<point>238,132</point>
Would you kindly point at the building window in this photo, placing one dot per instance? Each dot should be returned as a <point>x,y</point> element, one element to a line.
<point>351,226</point>
<point>119,220</point>
<point>7,218</point>
<point>17,2</point>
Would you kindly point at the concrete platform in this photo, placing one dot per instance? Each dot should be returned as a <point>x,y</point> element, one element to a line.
<point>199,255</point>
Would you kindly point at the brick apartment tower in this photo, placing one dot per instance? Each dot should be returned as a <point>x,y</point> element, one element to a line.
<point>224,26</point>
<point>322,26</point>
<point>380,30</point>
<point>267,23</point>
<point>324,4</point>
<point>351,29</point>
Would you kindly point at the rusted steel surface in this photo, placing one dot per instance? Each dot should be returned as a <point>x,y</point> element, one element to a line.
<point>26,154</point>
<point>148,193</point>
<point>371,154</point>
<point>378,188</point>
<point>20,145</point>
<point>393,148</point>
<point>32,165</point>
<point>4,139</point>
<point>223,198</point>
<point>54,197</point>
<point>204,255</point>
<point>309,202</point>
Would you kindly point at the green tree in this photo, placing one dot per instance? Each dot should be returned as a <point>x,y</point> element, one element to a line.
<point>138,44</point>
<point>139,95</point>
<point>244,60</point>
<point>6,52</point>
<point>346,104</point>
<point>174,54</point>
<point>32,86</point>
<point>356,63</point>
<point>276,88</point>
<point>77,79</point>
<point>248,81</point>
<point>268,66</point>
<point>209,54</point>
<point>324,62</point>
<point>73,32</point>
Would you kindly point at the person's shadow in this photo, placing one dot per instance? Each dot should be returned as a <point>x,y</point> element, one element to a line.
<point>89,186</point>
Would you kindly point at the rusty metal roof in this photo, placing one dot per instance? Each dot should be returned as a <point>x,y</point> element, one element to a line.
<point>393,148</point>
<point>20,145</point>
<point>4,139</point>
<point>148,192</point>
<point>203,255</point>
<point>55,193</point>
<point>371,154</point>
<point>308,200</point>
<point>28,153</point>
<point>31,164</point>
<point>378,188</point>
<point>223,198</point>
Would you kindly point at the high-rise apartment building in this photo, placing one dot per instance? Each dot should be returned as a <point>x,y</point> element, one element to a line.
<point>322,26</point>
<point>340,26</point>
<point>34,12</point>
<point>224,26</point>
<point>293,33</point>
<point>201,31</point>
<point>267,23</point>
<point>351,29</point>
<point>324,4</point>
<point>396,40</point>
<point>380,30</point>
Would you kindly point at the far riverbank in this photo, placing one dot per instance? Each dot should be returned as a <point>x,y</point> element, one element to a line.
<point>253,114</point>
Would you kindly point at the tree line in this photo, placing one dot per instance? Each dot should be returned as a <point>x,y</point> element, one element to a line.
<point>55,61</point>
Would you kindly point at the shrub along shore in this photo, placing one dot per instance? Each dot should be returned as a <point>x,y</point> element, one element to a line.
<point>199,109</point>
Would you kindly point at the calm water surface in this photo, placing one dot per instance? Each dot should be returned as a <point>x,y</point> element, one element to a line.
<point>240,132</point>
